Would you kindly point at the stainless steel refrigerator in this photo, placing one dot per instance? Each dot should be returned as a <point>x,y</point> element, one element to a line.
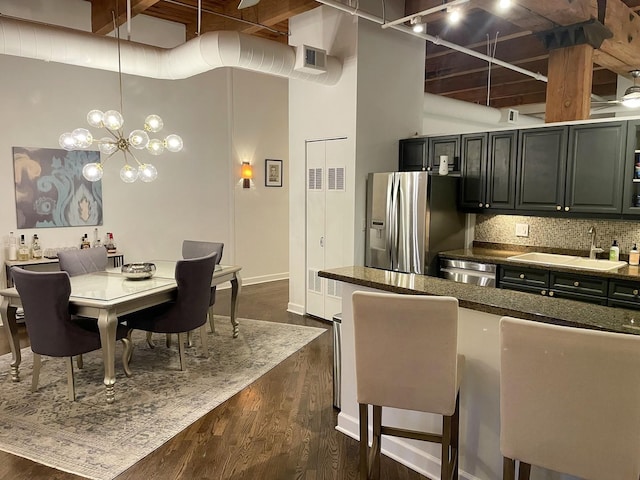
<point>411,216</point>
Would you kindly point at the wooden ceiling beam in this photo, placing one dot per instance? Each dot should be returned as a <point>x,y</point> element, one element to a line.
<point>102,17</point>
<point>569,85</point>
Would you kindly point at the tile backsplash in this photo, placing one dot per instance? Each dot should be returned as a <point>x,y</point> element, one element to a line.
<point>565,233</point>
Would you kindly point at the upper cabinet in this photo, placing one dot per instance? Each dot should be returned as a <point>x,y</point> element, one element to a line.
<point>541,168</point>
<point>577,168</point>
<point>423,153</point>
<point>595,167</point>
<point>488,167</point>
<point>631,181</point>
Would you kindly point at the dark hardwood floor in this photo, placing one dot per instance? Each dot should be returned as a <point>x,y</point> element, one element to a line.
<point>279,428</point>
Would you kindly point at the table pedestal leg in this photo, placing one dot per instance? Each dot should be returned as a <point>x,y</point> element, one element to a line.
<point>8,315</point>
<point>107,323</point>
<point>236,285</point>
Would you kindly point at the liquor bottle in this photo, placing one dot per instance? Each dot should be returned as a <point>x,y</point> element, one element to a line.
<point>13,247</point>
<point>110,245</point>
<point>85,242</point>
<point>36,249</point>
<point>23,250</point>
<point>96,239</point>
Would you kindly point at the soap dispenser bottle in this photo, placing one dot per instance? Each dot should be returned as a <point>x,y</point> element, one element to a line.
<point>614,252</point>
<point>634,255</point>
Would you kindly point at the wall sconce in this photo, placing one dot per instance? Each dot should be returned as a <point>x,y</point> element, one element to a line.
<point>246,173</point>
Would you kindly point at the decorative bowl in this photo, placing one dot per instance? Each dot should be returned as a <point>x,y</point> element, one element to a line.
<point>138,270</point>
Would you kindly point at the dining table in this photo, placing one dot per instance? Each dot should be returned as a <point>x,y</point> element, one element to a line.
<point>106,295</point>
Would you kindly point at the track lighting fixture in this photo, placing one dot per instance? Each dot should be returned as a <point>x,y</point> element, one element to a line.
<point>631,97</point>
<point>416,24</point>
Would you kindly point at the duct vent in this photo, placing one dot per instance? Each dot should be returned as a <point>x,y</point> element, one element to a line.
<point>310,60</point>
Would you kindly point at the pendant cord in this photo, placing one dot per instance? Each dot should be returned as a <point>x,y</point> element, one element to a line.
<point>117,29</point>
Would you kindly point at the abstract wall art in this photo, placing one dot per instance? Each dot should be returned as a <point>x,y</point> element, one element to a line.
<point>51,191</point>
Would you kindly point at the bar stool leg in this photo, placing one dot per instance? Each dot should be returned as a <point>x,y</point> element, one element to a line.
<point>364,440</point>
<point>377,442</point>
<point>524,470</point>
<point>508,469</point>
<point>445,462</point>
<point>455,439</point>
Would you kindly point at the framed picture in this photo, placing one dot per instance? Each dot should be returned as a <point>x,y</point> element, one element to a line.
<point>272,173</point>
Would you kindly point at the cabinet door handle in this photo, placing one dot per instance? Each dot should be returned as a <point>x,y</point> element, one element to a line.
<point>522,275</point>
<point>480,205</point>
<point>635,292</point>
<point>486,205</point>
<point>566,209</point>
<point>543,292</point>
<point>322,241</point>
<point>551,294</point>
<point>428,169</point>
<point>558,207</point>
<point>576,284</point>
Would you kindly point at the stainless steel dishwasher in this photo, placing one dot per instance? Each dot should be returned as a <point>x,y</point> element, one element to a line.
<point>464,271</point>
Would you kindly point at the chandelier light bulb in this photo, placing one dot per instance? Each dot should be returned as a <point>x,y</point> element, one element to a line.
<point>92,171</point>
<point>139,139</point>
<point>128,174</point>
<point>147,172</point>
<point>82,137</point>
<point>107,145</point>
<point>113,120</point>
<point>155,146</point>
<point>94,118</point>
<point>173,143</point>
<point>67,141</point>
<point>153,123</point>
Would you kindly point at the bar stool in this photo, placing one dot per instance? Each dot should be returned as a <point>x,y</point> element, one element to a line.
<point>569,401</point>
<point>406,357</point>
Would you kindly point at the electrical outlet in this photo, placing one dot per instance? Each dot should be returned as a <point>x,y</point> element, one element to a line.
<point>522,230</point>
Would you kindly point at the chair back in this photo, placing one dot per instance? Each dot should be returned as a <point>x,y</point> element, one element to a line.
<point>399,335</point>
<point>45,300</point>
<point>570,399</point>
<point>196,248</point>
<point>193,277</point>
<point>80,262</point>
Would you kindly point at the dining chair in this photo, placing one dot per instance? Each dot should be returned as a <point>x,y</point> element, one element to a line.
<point>187,311</point>
<point>569,401</point>
<point>52,330</point>
<point>79,262</point>
<point>195,249</point>
<point>396,336</point>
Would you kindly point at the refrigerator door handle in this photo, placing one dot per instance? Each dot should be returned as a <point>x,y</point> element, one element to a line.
<point>392,195</point>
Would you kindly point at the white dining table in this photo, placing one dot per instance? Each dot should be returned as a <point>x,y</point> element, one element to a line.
<point>108,294</point>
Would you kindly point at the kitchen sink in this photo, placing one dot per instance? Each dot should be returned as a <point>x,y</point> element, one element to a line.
<point>571,261</point>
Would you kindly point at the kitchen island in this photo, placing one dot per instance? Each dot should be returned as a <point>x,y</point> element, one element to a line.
<point>478,339</point>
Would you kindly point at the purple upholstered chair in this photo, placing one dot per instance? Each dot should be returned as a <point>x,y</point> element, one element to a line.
<point>52,330</point>
<point>79,262</point>
<point>187,311</point>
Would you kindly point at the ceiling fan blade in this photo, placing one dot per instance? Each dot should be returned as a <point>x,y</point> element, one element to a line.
<point>247,3</point>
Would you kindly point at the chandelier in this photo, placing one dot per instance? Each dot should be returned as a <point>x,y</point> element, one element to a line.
<point>112,121</point>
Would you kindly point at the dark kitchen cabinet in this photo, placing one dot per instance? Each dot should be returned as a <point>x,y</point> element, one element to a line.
<point>413,154</point>
<point>624,293</point>
<point>542,154</point>
<point>631,182</point>
<point>448,145</point>
<point>578,287</point>
<point>524,279</point>
<point>488,167</point>
<point>595,168</point>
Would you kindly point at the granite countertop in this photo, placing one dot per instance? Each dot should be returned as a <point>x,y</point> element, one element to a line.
<point>486,254</point>
<point>497,301</point>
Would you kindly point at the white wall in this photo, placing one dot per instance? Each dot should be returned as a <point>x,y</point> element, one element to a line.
<point>195,194</point>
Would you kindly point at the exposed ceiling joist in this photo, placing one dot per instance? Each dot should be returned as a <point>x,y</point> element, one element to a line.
<point>102,17</point>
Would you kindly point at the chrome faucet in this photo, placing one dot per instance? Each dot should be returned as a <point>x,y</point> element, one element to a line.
<point>593,251</point>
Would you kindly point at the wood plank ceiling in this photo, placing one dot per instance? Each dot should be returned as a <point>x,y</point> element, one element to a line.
<point>512,33</point>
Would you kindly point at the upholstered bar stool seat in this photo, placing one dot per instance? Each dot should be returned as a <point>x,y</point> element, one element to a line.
<point>569,401</point>
<point>406,357</point>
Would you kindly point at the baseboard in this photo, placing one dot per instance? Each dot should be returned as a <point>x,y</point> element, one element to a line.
<point>295,308</point>
<point>399,450</point>
<point>256,280</point>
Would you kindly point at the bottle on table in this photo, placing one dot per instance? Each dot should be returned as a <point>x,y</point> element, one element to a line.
<point>36,249</point>
<point>85,242</point>
<point>13,247</point>
<point>634,255</point>
<point>110,244</point>
<point>96,239</point>
<point>23,250</point>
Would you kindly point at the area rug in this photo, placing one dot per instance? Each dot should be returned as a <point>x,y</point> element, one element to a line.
<point>100,441</point>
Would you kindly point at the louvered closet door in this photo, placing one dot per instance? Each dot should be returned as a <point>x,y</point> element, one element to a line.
<point>327,223</point>
<point>315,227</point>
